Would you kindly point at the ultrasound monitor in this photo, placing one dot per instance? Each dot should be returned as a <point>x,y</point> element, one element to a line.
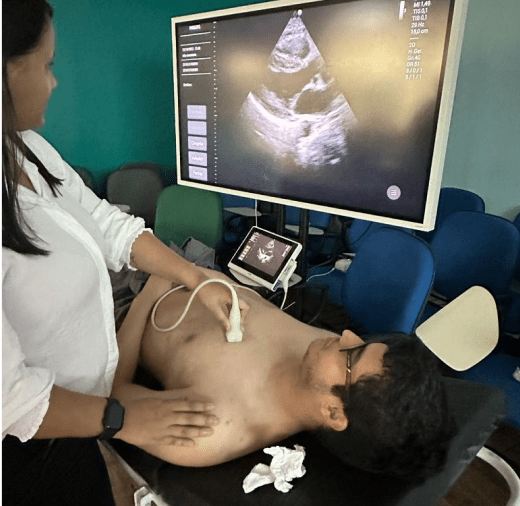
<point>338,106</point>
<point>265,259</point>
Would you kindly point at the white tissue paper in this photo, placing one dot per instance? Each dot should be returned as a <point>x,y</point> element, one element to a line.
<point>285,466</point>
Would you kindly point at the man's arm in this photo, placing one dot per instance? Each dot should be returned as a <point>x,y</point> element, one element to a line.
<point>130,335</point>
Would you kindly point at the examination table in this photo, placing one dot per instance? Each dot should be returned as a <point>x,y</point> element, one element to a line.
<point>477,410</point>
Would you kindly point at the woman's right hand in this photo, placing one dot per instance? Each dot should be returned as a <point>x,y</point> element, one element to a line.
<point>156,421</point>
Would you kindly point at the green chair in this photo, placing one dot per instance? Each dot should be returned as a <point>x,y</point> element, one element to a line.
<point>184,212</point>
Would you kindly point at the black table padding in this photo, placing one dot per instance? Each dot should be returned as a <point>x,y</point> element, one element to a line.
<point>477,409</point>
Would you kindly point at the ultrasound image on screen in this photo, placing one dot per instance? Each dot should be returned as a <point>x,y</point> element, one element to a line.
<point>333,103</point>
<point>297,115</point>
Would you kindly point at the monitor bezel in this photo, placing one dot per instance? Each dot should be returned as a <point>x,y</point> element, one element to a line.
<point>447,86</point>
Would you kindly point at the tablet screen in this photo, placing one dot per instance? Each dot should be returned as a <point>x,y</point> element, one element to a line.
<point>264,254</point>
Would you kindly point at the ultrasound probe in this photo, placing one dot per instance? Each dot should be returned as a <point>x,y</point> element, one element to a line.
<point>234,335</point>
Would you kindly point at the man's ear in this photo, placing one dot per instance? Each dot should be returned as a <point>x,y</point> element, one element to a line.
<point>333,414</point>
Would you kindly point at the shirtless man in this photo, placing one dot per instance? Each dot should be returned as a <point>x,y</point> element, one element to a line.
<point>283,378</point>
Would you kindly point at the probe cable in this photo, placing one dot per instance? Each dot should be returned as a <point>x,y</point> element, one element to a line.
<point>190,300</point>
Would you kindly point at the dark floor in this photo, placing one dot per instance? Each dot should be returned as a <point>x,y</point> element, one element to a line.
<point>480,484</point>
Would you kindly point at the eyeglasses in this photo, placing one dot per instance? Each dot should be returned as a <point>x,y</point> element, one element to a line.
<point>349,351</point>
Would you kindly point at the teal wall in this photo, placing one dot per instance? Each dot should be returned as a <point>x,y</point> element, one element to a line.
<point>484,145</point>
<point>114,103</point>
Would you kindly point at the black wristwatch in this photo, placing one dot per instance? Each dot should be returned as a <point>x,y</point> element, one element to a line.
<point>113,419</point>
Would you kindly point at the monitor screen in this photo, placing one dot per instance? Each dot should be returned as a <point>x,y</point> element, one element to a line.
<point>338,106</point>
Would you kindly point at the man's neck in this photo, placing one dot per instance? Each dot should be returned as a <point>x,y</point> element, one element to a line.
<point>297,403</point>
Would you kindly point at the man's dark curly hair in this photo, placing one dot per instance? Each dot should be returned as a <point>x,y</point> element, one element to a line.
<point>399,423</point>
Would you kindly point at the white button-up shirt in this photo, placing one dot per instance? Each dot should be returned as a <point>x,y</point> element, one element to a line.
<point>57,310</point>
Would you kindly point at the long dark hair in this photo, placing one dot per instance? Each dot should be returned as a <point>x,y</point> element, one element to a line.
<point>23,23</point>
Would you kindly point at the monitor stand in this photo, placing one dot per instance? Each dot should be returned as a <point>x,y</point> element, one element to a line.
<point>303,236</point>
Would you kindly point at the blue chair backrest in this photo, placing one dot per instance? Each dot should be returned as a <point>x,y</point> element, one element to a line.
<point>316,218</point>
<point>474,248</point>
<point>237,201</point>
<point>359,230</point>
<point>453,200</point>
<point>389,281</point>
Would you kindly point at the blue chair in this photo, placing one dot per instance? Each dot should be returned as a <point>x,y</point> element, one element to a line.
<point>497,370</point>
<point>388,283</point>
<point>473,249</point>
<point>452,200</point>
<point>319,237</point>
<point>511,323</point>
<point>464,335</point>
<point>318,221</point>
<point>242,206</point>
<point>359,230</point>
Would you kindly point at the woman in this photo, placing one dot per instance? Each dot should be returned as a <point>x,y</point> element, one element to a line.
<point>59,346</point>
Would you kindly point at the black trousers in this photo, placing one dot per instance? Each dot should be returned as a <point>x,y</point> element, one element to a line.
<point>54,472</point>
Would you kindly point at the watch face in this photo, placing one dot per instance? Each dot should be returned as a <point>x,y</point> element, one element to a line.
<point>113,419</point>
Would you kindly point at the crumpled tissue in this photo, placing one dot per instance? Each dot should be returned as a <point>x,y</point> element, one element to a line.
<point>285,466</point>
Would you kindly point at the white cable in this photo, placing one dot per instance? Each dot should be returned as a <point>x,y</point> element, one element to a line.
<point>285,289</point>
<point>506,471</point>
<point>318,275</point>
<point>156,305</point>
<point>291,304</point>
<point>190,300</point>
<point>325,262</point>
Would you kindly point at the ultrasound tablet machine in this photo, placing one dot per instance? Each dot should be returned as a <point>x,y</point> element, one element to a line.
<point>265,259</point>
